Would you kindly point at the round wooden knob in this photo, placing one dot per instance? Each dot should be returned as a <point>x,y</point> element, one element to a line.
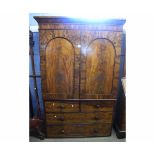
<point>95,131</point>
<point>98,106</point>
<point>96,118</point>
<point>61,118</point>
<point>62,106</point>
<point>62,131</point>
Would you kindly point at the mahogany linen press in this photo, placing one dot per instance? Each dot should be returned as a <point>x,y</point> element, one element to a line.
<point>80,65</point>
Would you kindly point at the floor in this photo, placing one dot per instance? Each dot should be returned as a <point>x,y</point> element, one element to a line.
<point>112,138</point>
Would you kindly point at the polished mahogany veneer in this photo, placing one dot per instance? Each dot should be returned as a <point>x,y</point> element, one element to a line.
<point>80,64</point>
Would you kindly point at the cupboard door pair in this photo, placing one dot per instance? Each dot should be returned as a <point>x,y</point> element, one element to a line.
<point>79,64</point>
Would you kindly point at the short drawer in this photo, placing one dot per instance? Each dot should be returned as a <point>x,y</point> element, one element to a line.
<point>52,118</point>
<point>97,106</point>
<point>61,107</point>
<point>79,130</point>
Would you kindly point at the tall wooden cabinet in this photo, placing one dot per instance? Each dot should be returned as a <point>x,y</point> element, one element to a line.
<point>80,62</point>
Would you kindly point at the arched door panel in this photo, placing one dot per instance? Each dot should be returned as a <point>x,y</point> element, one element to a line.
<point>99,68</point>
<point>60,68</point>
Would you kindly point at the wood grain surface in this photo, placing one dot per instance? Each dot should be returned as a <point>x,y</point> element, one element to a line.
<point>90,130</point>
<point>79,61</point>
<point>60,67</point>
<point>72,118</point>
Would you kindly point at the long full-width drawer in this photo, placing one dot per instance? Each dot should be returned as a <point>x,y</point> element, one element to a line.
<point>62,118</point>
<point>89,130</point>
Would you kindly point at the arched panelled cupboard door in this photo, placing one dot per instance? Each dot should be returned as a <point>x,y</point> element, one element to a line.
<point>99,69</point>
<point>60,68</point>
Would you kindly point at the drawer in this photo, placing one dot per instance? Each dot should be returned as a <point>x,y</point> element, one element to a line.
<point>103,129</point>
<point>52,118</point>
<point>55,131</point>
<point>97,106</point>
<point>61,107</point>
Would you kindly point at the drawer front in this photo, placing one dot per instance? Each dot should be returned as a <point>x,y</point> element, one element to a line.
<point>55,131</point>
<point>98,106</point>
<point>52,118</point>
<point>61,107</point>
<point>103,129</point>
